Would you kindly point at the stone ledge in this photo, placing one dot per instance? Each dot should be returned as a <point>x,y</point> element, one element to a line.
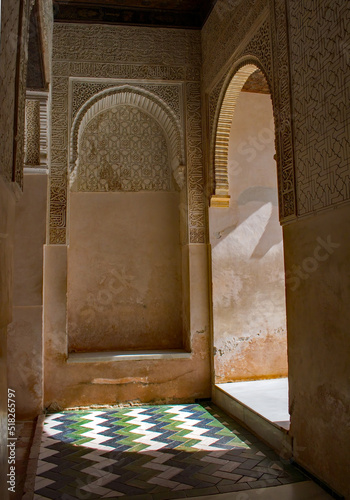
<point>111,356</point>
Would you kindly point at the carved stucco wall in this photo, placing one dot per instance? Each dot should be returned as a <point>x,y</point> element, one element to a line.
<point>9,27</point>
<point>13,80</point>
<point>171,123</point>
<point>163,61</point>
<point>14,33</point>
<point>123,149</point>
<point>293,60</point>
<point>320,62</point>
<point>32,127</point>
<point>224,32</point>
<point>310,63</point>
<point>252,43</point>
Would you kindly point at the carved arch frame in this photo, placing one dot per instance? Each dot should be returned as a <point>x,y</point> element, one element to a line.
<point>145,101</point>
<point>229,94</point>
<point>230,89</point>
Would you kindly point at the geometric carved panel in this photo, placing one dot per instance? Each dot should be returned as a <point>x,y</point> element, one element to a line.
<point>320,61</point>
<point>123,149</point>
<point>283,113</point>
<point>82,91</point>
<point>164,62</point>
<point>267,48</point>
<point>32,132</point>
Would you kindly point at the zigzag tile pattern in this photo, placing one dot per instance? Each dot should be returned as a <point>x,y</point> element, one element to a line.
<point>152,453</point>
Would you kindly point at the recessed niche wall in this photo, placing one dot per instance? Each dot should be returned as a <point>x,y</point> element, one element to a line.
<point>124,256</point>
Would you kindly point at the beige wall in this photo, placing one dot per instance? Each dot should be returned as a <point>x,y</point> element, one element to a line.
<point>317,300</point>
<point>124,271</point>
<point>8,50</point>
<point>317,248</point>
<point>9,191</point>
<point>164,380</point>
<point>139,231</point>
<point>25,332</point>
<point>317,252</point>
<point>7,211</point>
<point>249,316</point>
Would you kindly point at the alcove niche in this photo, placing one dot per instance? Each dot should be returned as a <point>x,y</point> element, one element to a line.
<point>127,226</point>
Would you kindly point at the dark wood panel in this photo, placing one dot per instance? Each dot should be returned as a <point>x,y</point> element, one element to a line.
<point>178,14</point>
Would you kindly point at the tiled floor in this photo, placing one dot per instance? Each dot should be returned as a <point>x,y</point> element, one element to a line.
<point>153,453</point>
<point>268,398</point>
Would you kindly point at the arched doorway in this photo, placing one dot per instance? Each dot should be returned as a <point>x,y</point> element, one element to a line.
<point>248,278</point>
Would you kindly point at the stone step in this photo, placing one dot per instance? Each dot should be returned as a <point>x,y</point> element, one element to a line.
<point>273,434</point>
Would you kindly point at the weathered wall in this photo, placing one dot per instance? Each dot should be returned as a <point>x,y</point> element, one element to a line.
<point>7,211</point>
<point>124,271</point>
<point>163,380</point>
<point>249,316</point>
<point>8,192</point>
<point>317,253</point>
<point>317,247</point>
<point>25,332</point>
<point>309,84</point>
<point>163,65</point>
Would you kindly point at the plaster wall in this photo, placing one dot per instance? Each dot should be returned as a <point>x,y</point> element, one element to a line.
<point>168,380</point>
<point>8,50</point>
<point>124,271</point>
<point>166,63</point>
<point>25,332</point>
<point>317,247</point>
<point>7,211</point>
<point>317,253</point>
<point>308,50</point>
<point>249,315</point>
<point>9,191</point>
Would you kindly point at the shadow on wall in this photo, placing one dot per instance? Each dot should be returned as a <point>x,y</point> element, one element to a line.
<point>249,315</point>
<point>255,198</point>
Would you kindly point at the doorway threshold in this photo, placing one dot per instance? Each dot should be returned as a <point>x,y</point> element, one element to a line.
<point>268,398</point>
<point>261,406</point>
<point>112,356</point>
